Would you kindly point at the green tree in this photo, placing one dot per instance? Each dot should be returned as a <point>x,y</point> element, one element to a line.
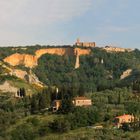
<point>34,104</point>
<point>60,125</point>
<point>42,101</point>
<point>66,106</point>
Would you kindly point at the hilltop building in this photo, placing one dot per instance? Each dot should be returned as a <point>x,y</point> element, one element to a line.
<point>85,44</point>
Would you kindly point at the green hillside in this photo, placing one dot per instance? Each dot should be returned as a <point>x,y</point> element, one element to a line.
<point>99,78</point>
<point>98,71</point>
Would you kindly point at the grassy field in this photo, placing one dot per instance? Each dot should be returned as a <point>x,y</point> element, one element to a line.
<point>91,134</point>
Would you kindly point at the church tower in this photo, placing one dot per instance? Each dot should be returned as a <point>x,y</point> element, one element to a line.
<point>78,40</point>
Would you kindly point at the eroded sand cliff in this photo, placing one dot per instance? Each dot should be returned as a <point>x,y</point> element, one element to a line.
<point>32,60</point>
<point>21,59</point>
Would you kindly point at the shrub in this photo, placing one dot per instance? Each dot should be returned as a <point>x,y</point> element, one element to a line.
<point>42,131</point>
<point>34,121</point>
<point>60,125</point>
<point>23,132</point>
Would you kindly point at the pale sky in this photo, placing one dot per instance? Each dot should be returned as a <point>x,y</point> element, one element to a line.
<point>47,22</point>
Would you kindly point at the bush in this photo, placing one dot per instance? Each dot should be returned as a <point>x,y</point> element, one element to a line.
<point>82,117</point>
<point>23,132</point>
<point>43,131</point>
<point>34,121</point>
<point>60,125</point>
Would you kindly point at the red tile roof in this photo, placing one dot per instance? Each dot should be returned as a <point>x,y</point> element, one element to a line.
<point>123,116</point>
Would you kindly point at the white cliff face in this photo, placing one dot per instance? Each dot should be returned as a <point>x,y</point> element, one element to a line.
<point>126,74</point>
<point>11,86</point>
<point>19,73</point>
<point>24,75</point>
<point>77,63</point>
<point>33,79</point>
<point>6,87</point>
<point>27,76</point>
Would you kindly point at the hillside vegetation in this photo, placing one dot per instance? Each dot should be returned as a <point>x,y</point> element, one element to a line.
<point>99,77</point>
<point>98,71</point>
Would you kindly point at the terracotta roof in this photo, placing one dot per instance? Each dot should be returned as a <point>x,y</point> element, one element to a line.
<point>126,115</point>
<point>81,98</point>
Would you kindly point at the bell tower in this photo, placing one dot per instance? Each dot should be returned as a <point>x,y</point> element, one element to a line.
<point>78,40</point>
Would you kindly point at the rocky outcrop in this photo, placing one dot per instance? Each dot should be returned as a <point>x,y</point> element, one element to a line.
<point>27,76</point>
<point>19,73</point>
<point>6,87</point>
<point>126,74</point>
<point>32,60</point>
<point>24,75</point>
<point>33,79</point>
<point>77,63</point>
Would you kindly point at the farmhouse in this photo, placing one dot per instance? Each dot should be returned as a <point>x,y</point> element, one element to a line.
<point>77,101</point>
<point>119,120</point>
<point>82,101</point>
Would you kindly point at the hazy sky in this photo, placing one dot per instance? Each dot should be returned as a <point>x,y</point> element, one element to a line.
<point>107,22</point>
